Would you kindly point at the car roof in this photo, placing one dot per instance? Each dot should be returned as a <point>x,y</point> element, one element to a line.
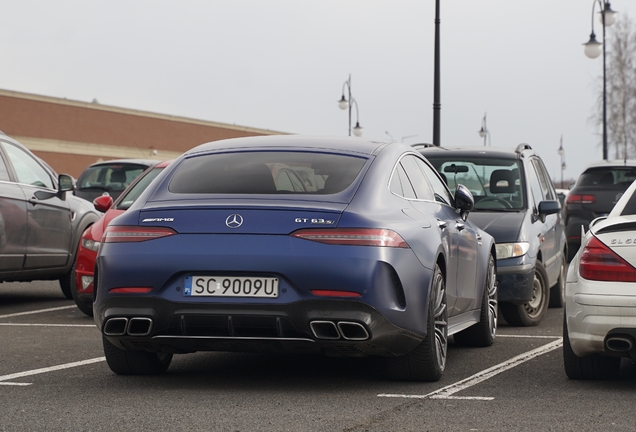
<point>615,163</point>
<point>355,145</point>
<point>475,152</point>
<point>146,162</point>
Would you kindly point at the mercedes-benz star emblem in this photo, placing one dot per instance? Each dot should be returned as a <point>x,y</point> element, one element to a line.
<point>234,221</point>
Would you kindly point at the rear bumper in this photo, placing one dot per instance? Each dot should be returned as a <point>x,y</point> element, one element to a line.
<point>330,327</point>
<point>596,311</point>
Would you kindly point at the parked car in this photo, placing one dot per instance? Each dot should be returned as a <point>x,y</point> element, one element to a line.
<point>599,325</point>
<point>82,281</point>
<point>562,195</point>
<point>40,220</point>
<point>515,202</point>
<point>110,177</point>
<point>217,256</point>
<point>594,194</point>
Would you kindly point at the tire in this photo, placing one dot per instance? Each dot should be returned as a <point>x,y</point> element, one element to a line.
<point>592,367</point>
<point>483,333</point>
<point>557,292</point>
<point>530,313</point>
<point>124,362</point>
<point>85,307</point>
<point>65,285</point>
<point>427,361</point>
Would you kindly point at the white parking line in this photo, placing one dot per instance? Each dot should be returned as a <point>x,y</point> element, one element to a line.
<point>47,325</point>
<point>45,370</point>
<point>37,311</point>
<point>448,391</point>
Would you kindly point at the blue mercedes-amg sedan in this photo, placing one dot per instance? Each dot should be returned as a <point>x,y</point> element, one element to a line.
<point>296,244</point>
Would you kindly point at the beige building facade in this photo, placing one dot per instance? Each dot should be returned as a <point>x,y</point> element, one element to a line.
<point>70,135</point>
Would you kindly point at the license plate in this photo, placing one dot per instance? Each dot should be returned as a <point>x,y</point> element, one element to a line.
<point>231,286</point>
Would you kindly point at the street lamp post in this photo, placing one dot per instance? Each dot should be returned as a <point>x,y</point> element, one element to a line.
<point>437,105</point>
<point>345,103</point>
<point>593,50</point>
<point>562,154</point>
<point>484,132</point>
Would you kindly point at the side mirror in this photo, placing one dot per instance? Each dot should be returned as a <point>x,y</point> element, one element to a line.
<point>464,201</point>
<point>549,207</point>
<point>65,183</point>
<point>103,202</point>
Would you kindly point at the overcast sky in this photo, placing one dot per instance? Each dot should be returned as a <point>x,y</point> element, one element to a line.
<point>281,65</point>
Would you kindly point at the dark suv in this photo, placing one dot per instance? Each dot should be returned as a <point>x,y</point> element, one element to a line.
<point>516,203</point>
<point>110,177</point>
<point>40,221</point>
<point>596,191</point>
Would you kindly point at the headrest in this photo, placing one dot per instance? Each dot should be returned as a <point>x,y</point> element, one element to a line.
<point>502,181</point>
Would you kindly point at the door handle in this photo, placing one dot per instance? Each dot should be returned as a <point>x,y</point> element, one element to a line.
<point>441,224</point>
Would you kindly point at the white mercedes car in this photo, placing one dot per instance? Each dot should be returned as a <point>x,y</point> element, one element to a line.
<point>599,325</point>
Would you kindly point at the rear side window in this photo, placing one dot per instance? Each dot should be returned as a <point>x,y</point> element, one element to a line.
<point>271,172</point>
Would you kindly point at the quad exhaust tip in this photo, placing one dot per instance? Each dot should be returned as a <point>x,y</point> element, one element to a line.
<point>329,330</point>
<point>120,326</point>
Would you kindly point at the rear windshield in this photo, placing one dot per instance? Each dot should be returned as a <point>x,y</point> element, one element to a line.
<point>110,177</point>
<point>272,172</point>
<point>495,183</point>
<point>604,177</point>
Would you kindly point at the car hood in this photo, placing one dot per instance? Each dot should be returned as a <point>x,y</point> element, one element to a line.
<point>504,227</point>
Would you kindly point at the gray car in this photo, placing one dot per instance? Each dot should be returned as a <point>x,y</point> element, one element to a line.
<point>40,222</point>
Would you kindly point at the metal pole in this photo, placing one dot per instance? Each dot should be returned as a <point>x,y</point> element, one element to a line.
<point>437,106</point>
<point>350,103</point>
<point>604,91</point>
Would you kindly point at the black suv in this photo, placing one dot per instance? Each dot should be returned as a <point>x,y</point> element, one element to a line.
<point>110,177</point>
<point>40,221</point>
<point>516,203</point>
<point>596,191</point>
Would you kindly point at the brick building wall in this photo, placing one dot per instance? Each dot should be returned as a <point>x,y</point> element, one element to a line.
<point>70,135</point>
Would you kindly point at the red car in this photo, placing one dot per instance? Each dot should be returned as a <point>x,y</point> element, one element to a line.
<point>83,269</point>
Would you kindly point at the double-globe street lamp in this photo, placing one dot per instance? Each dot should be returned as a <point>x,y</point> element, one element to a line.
<point>484,132</point>
<point>345,103</point>
<point>593,49</point>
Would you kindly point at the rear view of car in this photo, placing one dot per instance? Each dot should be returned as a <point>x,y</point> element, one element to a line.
<point>293,244</point>
<point>594,195</point>
<point>82,279</point>
<point>599,325</point>
<point>109,177</point>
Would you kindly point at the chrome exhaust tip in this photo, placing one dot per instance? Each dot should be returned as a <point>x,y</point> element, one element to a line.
<point>139,326</point>
<point>324,330</point>
<point>619,344</point>
<point>353,331</point>
<point>116,326</point>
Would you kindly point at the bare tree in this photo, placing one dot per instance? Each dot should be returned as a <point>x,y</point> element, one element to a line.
<point>621,89</point>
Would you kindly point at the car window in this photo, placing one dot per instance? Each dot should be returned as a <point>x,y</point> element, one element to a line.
<point>26,168</point>
<point>544,181</point>
<point>114,177</point>
<point>535,186</point>
<point>497,184</point>
<point>417,178</point>
<point>442,194</point>
<point>256,172</point>
<point>608,177</point>
<point>131,195</point>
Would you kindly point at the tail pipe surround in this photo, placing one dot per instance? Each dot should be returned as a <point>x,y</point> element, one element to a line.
<point>619,343</point>
<point>348,330</point>
<point>121,326</point>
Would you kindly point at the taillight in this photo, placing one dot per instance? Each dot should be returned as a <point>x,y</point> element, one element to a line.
<point>580,199</point>
<point>353,236</point>
<point>600,263</point>
<point>131,290</point>
<point>121,234</point>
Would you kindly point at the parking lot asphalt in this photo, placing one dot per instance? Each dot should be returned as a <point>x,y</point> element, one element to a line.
<point>53,376</point>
